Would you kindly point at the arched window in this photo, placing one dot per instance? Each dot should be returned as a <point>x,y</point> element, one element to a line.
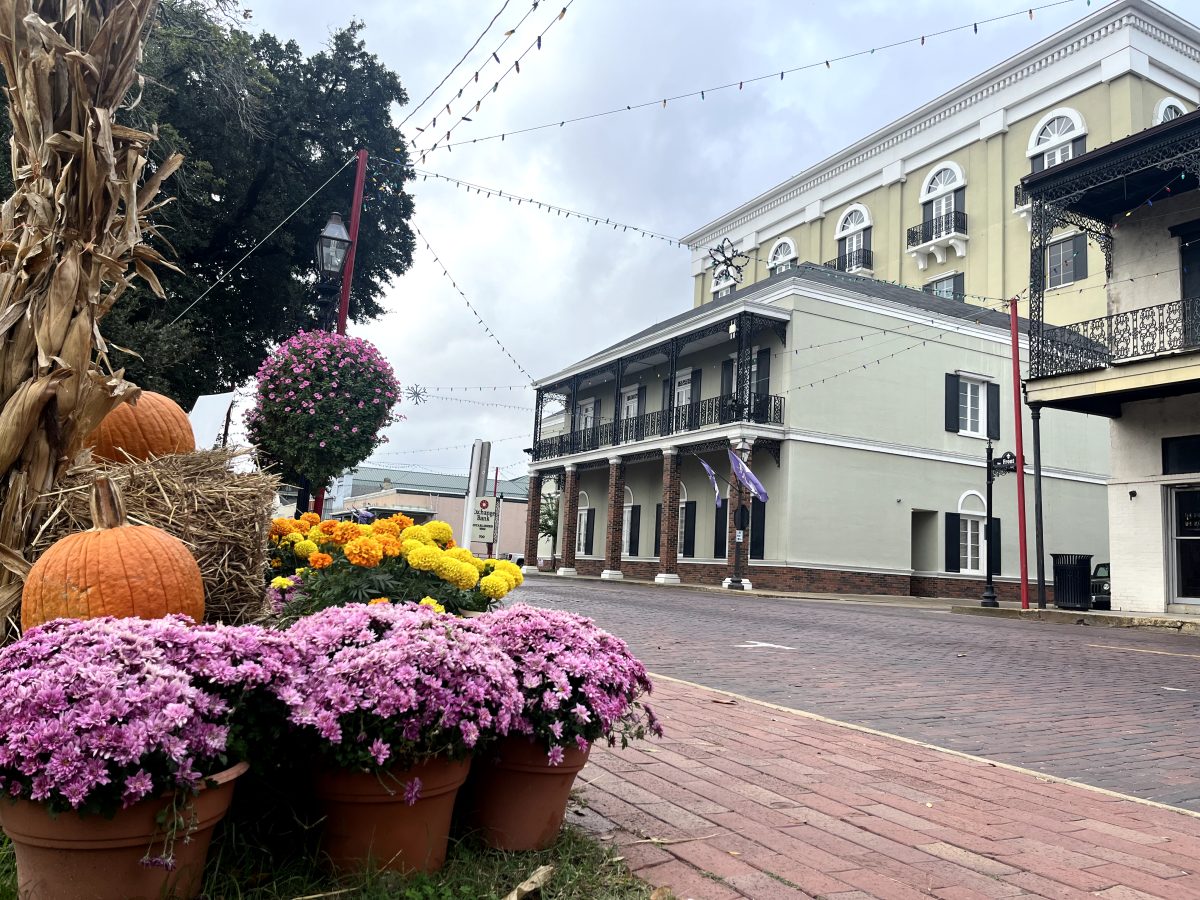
<point>584,521</point>
<point>942,201</point>
<point>1058,137</point>
<point>782,256</point>
<point>941,181</point>
<point>972,537</point>
<point>1168,108</point>
<point>854,239</point>
<point>722,284</point>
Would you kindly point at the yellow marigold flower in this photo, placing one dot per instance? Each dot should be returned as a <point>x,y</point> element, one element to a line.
<point>439,531</point>
<point>346,532</point>
<point>425,558</point>
<point>446,566</point>
<point>378,600</point>
<point>320,561</point>
<point>462,554</point>
<point>281,582</point>
<point>302,572</point>
<point>385,526</point>
<point>304,549</point>
<point>275,564</point>
<point>493,586</point>
<point>364,551</point>
<point>510,568</point>
<point>465,577</point>
<point>280,527</point>
<point>389,543</point>
<point>292,537</point>
<point>309,519</point>
<point>479,564</point>
<point>432,604</point>
<point>317,536</point>
<point>417,533</point>
<point>409,545</point>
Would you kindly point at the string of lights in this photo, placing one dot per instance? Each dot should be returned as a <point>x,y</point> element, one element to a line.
<point>478,402</point>
<point>470,306</point>
<point>740,84</point>
<point>476,387</point>
<point>412,112</point>
<point>513,437</point>
<point>515,66</point>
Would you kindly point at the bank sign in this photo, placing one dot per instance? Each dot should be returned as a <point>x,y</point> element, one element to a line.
<point>485,518</point>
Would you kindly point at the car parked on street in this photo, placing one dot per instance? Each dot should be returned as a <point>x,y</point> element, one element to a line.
<point>1101,587</point>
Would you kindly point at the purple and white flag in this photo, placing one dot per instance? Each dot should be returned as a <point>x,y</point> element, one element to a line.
<point>712,476</point>
<point>742,473</point>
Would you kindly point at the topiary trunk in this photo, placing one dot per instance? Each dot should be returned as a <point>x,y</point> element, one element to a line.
<point>70,242</point>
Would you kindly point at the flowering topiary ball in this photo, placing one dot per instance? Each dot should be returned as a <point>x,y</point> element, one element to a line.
<point>323,400</point>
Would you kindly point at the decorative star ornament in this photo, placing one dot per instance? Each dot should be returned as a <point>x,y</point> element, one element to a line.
<point>415,394</point>
<point>728,262</point>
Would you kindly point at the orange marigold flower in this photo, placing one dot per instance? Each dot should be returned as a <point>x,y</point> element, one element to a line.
<point>309,519</point>
<point>346,531</point>
<point>386,526</point>
<point>378,600</point>
<point>276,564</point>
<point>329,525</point>
<point>401,520</point>
<point>320,561</point>
<point>390,544</point>
<point>364,551</point>
<point>280,527</point>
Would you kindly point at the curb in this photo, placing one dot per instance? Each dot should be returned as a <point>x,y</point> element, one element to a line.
<point>1070,617</point>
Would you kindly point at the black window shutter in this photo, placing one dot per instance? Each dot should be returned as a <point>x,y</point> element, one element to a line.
<point>720,531</point>
<point>993,411</point>
<point>926,212</point>
<point>841,248</point>
<point>960,286</point>
<point>696,373</point>
<point>866,238</point>
<point>1078,147</point>
<point>952,402</point>
<point>666,393</point>
<point>994,546</point>
<point>1079,248</point>
<point>952,562</point>
<point>758,529</point>
<point>657,529</point>
<point>590,531</point>
<point>960,200</point>
<point>641,400</point>
<point>726,377</point>
<point>762,384</point>
<point>1039,162</point>
<point>689,529</point>
<point>635,528</point>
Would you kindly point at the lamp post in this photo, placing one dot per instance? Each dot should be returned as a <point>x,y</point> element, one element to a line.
<point>333,245</point>
<point>995,468</point>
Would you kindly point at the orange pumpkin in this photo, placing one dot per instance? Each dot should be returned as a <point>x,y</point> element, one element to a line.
<point>114,569</point>
<point>155,426</point>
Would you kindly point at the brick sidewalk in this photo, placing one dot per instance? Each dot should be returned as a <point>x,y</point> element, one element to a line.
<point>741,799</point>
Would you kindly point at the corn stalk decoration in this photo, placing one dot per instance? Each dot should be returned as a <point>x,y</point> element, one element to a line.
<point>70,243</point>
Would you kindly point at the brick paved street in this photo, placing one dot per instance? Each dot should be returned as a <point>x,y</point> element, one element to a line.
<point>1115,708</point>
<point>741,800</point>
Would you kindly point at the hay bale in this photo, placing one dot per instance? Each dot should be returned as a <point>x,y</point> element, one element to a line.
<point>223,516</point>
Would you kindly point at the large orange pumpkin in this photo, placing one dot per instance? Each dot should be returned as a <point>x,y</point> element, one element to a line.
<point>114,569</point>
<point>155,426</point>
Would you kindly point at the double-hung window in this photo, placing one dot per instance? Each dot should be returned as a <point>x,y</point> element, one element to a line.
<point>972,399</point>
<point>970,544</point>
<point>1066,261</point>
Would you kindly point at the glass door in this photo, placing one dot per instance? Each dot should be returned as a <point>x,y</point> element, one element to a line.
<point>1185,538</point>
<point>943,206</point>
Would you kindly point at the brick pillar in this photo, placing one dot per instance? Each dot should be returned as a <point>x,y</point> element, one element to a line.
<point>739,496</point>
<point>668,526</point>
<point>616,519</point>
<point>569,503</point>
<point>533,516</point>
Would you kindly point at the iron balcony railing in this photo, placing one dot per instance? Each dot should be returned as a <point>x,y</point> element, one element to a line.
<point>1138,333</point>
<point>855,259</point>
<point>765,409</point>
<point>937,227</point>
<point>1020,198</point>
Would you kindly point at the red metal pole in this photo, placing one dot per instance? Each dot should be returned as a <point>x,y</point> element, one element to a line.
<point>1018,415</point>
<point>360,177</point>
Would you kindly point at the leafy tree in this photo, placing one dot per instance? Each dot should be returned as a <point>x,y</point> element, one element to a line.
<point>548,525</point>
<point>261,127</point>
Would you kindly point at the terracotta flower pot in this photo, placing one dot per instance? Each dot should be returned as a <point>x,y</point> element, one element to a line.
<point>367,822</point>
<point>73,857</point>
<point>515,798</point>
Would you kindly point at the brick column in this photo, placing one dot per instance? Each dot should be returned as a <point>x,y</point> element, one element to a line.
<point>569,504</point>
<point>533,517</point>
<point>668,526</point>
<point>739,496</point>
<point>616,519</point>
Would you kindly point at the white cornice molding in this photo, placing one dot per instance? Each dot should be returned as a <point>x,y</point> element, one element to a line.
<point>1134,15</point>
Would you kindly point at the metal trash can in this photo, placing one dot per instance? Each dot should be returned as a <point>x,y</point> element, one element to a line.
<point>1072,580</point>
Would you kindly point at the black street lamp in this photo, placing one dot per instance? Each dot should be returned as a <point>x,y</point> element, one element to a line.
<point>333,246</point>
<point>995,468</point>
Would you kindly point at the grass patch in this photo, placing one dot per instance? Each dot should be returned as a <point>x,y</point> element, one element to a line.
<point>583,870</point>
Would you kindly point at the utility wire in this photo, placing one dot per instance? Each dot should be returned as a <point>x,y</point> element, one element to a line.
<point>740,84</point>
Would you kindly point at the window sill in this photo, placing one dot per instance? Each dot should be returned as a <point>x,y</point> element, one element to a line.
<point>977,437</point>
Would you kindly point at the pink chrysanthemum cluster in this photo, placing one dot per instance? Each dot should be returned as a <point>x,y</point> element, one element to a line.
<point>96,715</point>
<point>579,682</point>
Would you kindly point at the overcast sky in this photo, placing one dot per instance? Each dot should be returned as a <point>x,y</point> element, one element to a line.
<point>554,290</point>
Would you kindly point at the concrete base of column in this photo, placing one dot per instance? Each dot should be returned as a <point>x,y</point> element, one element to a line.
<point>570,573</point>
<point>666,578</point>
<point>611,575</point>
<point>529,570</point>
<point>744,586</point>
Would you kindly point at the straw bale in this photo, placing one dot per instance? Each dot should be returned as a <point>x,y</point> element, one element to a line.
<point>223,516</point>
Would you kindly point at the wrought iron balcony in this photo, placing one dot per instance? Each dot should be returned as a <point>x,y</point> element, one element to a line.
<point>1136,334</point>
<point>1020,198</point>
<point>852,261</point>
<point>952,223</point>
<point>765,409</point>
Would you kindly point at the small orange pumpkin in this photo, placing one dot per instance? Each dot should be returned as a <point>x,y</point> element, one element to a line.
<point>155,426</point>
<point>114,569</point>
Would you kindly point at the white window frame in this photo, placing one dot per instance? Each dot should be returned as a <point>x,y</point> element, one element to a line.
<point>1068,239</point>
<point>581,522</point>
<point>629,394</point>
<point>782,256</point>
<point>679,520</point>
<point>725,291</point>
<point>968,518</point>
<point>948,277</point>
<point>1169,103</point>
<point>941,196</point>
<point>683,379</point>
<point>1050,148</point>
<point>625,522</point>
<point>585,408</point>
<point>964,423</point>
